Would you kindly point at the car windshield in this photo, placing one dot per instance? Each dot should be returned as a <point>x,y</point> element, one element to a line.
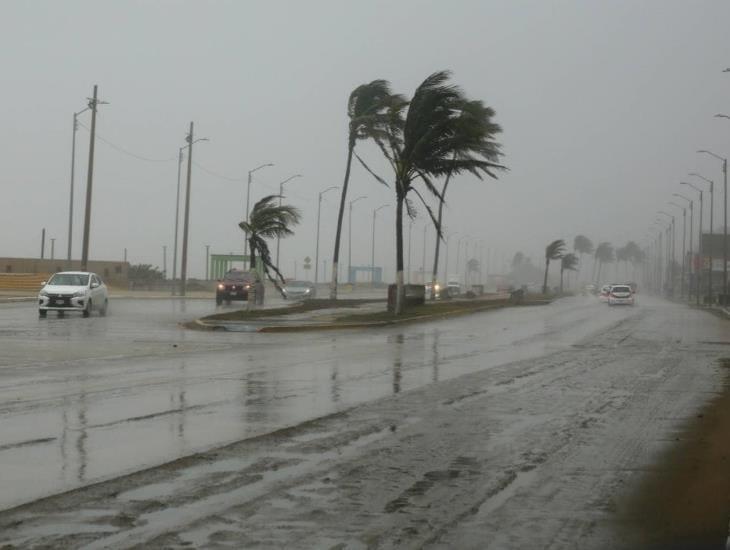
<point>298,283</point>
<point>237,276</point>
<point>620,289</point>
<point>69,279</point>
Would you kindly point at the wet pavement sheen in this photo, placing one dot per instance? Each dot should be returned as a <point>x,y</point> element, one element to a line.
<point>82,400</point>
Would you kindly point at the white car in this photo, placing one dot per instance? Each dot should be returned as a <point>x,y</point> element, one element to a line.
<point>621,295</point>
<point>73,291</point>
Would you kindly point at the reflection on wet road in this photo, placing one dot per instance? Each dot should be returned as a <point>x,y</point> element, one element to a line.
<point>89,399</point>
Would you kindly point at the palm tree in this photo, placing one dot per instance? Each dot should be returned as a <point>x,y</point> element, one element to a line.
<point>367,109</point>
<point>568,262</point>
<point>475,118</point>
<point>553,251</point>
<point>603,254</point>
<point>269,221</point>
<point>582,245</point>
<point>431,140</point>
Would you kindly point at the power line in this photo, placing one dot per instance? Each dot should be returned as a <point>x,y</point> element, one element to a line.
<point>215,175</point>
<point>124,151</point>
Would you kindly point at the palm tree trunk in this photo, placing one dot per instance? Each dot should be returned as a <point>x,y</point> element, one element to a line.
<point>594,277</point>
<point>400,290</point>
<point>544,282</point>
<point>434,276</point>
<point>561,279</point>
<point>340,215</point>
<point>598,275</point>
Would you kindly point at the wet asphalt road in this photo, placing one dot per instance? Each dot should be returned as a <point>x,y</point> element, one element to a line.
<point>83,400</point>
<point>88,399</point>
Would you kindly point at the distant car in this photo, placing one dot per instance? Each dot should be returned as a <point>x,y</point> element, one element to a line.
<point>236,285</point>
<point>603,294</point>
<point>433,288</point>
<point>621,295</point>
<point>300,290</point>
<point>73,291</point>
<point>453,288</point>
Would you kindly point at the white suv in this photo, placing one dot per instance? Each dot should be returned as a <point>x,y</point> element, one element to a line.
<point>73,291</point>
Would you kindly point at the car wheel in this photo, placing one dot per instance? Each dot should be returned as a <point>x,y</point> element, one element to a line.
<point>218,300</point>
<point>104,308</point>
<point>42,313</point>
<point>87,311</point>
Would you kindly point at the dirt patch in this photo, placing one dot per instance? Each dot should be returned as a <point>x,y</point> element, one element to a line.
<point>685,503</point>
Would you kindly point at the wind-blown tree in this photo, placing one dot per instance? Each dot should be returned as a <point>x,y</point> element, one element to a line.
<point>604,254</point>
<point>472,266</point>
<point>429,141</point>
<point>582,245</point>
<point>621,256</point>
<point>269,221</point>
<point>553,251</point>
<point>569,262</point>
<point>367,109</point>
<point>475,119</point>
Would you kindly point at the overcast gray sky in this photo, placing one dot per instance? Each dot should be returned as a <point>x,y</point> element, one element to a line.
<point>603,105</point>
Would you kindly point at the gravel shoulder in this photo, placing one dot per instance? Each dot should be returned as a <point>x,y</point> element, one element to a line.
<point>554,452</point>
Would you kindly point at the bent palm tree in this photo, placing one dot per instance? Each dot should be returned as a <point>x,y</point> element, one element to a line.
<point>476,119</point>
<point>603,254</point>
<point>367,109</point>
<point>269,221</point>
<point>429,142</point>
<point>582,245</point>
<point>553,251</point>
<point>568,262</point>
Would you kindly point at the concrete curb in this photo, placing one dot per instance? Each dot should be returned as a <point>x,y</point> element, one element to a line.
<point>199,324</point>
<point>11,300</point>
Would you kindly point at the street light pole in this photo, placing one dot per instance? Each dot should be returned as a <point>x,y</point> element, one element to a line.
<point>724,215</point>
<point>372,248</point>
<point>248,207</point>
<point>94,102</point>
<point>670,250</point>
<point>281,192</point>
<point>164,262</point>
<point>349,240</point>
<point>207,262</point>
<point>177,218</point>
<point>684,244</point>
<point>71,193</point>
<point>709,252</point>
<point>691,225</point>
<point>698,275</point>
<point>319,213</point>
<point>184,266</point>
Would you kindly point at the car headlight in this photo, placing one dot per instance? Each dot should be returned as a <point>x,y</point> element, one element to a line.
<point>79,294</point>
<point>437,287</point>
<point>307,291</point>
<point>43,293</point>
<point>221,286</point>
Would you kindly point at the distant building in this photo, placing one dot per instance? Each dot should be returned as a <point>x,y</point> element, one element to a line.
<point>111,272</point>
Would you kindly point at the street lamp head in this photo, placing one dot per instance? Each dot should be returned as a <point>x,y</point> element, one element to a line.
<point>695,174</point>
<point>720,115</point>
